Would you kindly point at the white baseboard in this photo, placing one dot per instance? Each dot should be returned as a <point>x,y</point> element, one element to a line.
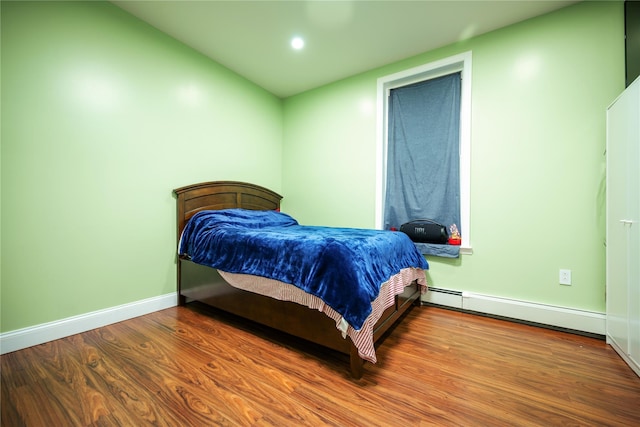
<point>561,317</point>
<point>579,320</point>
<point>34,335</point>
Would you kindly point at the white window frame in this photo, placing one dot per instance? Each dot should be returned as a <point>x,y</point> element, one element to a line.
<point>458,63</point>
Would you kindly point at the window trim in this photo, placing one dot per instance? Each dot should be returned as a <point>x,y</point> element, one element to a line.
<point>453,64</point>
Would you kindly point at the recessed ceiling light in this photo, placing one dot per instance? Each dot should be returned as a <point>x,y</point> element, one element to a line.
<point>297,43</point>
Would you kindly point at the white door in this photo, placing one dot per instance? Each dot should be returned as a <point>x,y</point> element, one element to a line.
<point>633,224</point>
<point>617,289</point>
<point>623,225</point>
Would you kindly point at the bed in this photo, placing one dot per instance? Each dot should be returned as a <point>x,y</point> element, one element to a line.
<point>276,303</point>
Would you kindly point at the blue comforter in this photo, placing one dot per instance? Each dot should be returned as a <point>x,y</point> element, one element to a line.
<point>345,267</point>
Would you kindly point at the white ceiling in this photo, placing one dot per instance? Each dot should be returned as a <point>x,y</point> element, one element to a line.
<point>343,38</point>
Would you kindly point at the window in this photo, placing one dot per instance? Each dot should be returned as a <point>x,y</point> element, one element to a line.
<point>456,64</point>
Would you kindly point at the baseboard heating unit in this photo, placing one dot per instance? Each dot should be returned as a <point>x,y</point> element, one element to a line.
<point>563,318</point>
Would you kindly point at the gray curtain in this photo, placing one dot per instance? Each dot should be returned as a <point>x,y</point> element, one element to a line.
<point>423,154</point>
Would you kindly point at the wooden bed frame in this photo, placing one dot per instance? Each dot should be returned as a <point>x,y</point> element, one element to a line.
<point>204,284</point>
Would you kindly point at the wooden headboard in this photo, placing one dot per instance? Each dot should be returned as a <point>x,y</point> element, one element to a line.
<point>217,195</point>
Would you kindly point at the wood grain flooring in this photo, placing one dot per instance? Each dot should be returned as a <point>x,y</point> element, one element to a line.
<point>187,366</point>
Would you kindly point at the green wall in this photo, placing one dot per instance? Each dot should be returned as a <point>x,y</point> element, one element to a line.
<point>102,117</point>
<point>539,94</point>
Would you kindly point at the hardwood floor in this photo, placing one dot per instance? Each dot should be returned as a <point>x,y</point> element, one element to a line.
<point>186,366</point>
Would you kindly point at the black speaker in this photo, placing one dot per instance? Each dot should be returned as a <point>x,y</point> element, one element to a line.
<point>425,231</point>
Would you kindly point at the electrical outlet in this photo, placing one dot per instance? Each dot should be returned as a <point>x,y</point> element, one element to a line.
<point>565,277</point>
